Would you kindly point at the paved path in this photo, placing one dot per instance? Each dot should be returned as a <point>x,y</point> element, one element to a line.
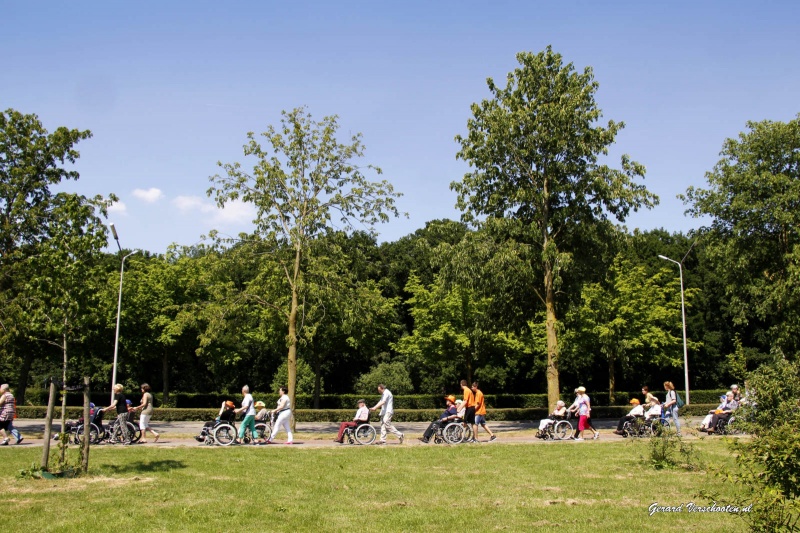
<point>321,434</point>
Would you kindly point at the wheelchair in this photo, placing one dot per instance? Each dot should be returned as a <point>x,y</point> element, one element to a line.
<point>224,433</point>
<point>641,427</point>
<point>560,429</point>
<point>727,426</point>
<point>111,434</point>
<point>454,432</point>
<point>363,434</point>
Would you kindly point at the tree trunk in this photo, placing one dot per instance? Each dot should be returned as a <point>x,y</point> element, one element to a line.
<point>24,372</point>
<point>552,337</point>
<point>86,418</point>
<point>611,379</point>
<point>63,438</point>
<point>317,379</point>
<point>291,362</point>
<point>165,377</point>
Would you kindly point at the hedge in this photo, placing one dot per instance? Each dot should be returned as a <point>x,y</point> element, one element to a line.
<point>182,400</point>
<point>168,414</point>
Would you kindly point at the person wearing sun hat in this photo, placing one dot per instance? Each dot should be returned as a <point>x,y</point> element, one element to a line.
<point>362,416</point>
<point>449,414</point>
<point>262,415</point>
<point>637,410</point>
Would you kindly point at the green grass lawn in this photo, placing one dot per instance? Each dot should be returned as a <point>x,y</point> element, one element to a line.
<point>514,487</point>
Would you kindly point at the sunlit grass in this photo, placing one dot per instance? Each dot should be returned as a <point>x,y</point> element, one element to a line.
<point>600,486</point>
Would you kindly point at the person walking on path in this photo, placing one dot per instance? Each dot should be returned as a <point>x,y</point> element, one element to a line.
<point>469,409</point>
<point>249,409</point>
<point>120,402</point>
<point>670,405</point>
<point>386,404</point>
<point>146,408</point>
<point>480,413</point>
<point>8,411</point>
<point>282,415</point>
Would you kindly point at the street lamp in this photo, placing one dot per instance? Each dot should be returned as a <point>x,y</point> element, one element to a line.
<point>119,309</point>
<point>683,316</point>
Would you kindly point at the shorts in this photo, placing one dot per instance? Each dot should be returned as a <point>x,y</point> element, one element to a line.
<point>144,421</point>
<point>4,424</point>
<point>480,420</point>
<point>469,415</point>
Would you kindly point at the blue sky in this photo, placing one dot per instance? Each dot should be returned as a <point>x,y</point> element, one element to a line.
<point>170,88</point>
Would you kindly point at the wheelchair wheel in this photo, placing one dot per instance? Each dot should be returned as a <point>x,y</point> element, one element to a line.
<point>629,429</point>
<point>262,431</point>
<point>364,434</point>
<point>134,432</point>
<point>94,434</point>
<point>562,430</point>
<point>453,433</point>
<point>224,434</point>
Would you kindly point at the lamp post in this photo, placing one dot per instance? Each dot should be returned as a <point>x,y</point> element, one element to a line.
<point>683,316</point>
<point>119,309</point>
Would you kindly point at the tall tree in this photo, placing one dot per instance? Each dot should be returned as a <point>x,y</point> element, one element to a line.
<point>534,150</point>
<point>753,198</point>
<point>304,180</point>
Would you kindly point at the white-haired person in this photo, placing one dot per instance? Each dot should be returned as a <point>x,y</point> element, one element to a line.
<point>249,409</point>
<point>8,410</point>
<point>707,420</point>
<point>654,410</point>
<point>558,414</point>
<point>121,404</point>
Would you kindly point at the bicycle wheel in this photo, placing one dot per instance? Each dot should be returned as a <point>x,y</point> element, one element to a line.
<point>365,434</point>
<point>224,434</point>
<point>453,433</point>
<point>562,430</point>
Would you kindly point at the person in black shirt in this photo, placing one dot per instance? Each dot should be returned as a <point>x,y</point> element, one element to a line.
<point>122,412</point>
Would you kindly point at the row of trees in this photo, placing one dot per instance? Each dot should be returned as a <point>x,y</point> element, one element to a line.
<point>537,287</point>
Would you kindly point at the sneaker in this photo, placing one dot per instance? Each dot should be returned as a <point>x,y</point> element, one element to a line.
<point>493,437</point>
<point>578,439</point>
<point>19,441</point>
<point>424,440</point>
<point>596,436</point>
<point>402,437</point>
<point>4,443</point>
<point>290,442</point>
<point>381,442</point>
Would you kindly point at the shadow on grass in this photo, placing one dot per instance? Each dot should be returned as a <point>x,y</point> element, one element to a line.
<point>145,466</point>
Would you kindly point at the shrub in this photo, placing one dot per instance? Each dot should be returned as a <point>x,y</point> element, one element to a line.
<point>394,375</point>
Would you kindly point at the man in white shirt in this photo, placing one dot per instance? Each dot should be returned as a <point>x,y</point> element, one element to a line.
<point>386,404</point>
<point>362,417</point>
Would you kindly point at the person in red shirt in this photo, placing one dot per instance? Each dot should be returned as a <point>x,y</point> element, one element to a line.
<point>469,407</point>
<point>480,413</point>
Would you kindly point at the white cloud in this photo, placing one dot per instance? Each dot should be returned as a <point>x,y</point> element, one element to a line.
<point>118,208</point>
<point>235,212</point>
<point>150,195</point>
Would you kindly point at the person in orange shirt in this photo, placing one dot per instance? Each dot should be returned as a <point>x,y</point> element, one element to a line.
<point>480,413</point>
<point>469,408</point>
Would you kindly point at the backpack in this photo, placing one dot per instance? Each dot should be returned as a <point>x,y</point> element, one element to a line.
<point>678,400</point>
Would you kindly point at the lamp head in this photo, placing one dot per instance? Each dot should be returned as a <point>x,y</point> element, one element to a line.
<point>114,231</point>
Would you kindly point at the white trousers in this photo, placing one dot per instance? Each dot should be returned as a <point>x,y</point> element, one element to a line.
<point>283,420</point>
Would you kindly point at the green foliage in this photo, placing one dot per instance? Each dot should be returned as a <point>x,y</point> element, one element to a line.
<point>754,239</point>
<point>534,151</point>
<point>767,473</point>
<point>667,450</point>
<point>394,375</point>
<point>305,377</point>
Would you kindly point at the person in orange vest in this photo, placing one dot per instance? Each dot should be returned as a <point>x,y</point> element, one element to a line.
<point>480,413</point>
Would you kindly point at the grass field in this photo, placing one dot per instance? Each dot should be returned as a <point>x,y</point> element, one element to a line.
<point>513,487</point>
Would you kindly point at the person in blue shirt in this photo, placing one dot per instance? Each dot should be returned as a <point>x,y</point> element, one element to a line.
<point>449,414</point>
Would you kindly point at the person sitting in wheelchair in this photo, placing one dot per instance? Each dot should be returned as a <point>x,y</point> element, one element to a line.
<point>705,424</point>
<point>450,414</point>
<point>636,411</point>
<point>654,411</point>
<point>362,417</point>
<point>723,414</point>
<point>262,415</point>
<point>559,413</point>
<point>227,413</point>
